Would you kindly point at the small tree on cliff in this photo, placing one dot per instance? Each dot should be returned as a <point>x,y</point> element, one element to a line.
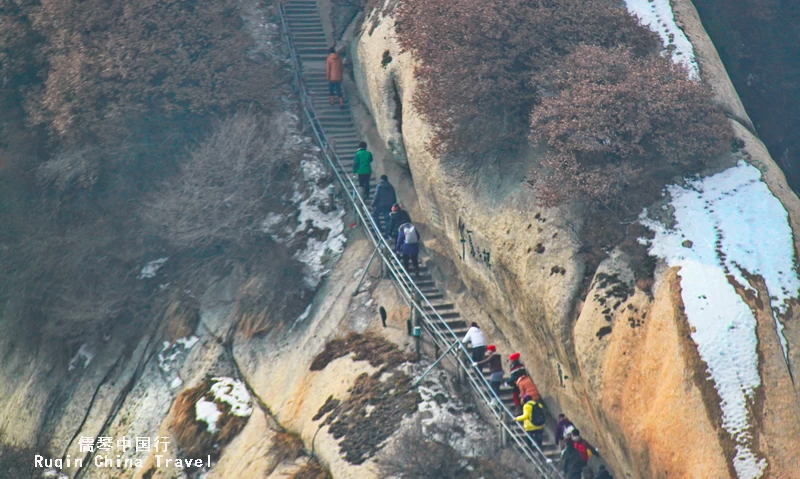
<point>621,124</point>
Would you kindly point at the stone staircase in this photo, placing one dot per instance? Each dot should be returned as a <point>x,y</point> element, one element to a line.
<point>311,44</point>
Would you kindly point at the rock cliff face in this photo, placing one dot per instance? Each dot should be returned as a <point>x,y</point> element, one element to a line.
<point>630,367</point>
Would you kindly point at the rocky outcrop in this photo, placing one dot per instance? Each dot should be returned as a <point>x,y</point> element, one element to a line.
<point>623,362</point>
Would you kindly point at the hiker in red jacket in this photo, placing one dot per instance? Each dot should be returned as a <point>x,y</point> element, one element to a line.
<point>516,370</point>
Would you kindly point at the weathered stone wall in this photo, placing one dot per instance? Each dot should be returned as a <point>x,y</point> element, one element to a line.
<point>633,382</point>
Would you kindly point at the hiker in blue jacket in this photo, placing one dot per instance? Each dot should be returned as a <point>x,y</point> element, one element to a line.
<point>408,240</point>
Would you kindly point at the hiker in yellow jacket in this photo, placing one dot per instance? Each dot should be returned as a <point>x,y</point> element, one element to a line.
<point>533,420</point>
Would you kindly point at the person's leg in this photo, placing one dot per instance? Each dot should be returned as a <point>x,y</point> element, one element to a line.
<point>479,352</point>
<point>415,260</point>
<point>538,437</point>
<point>405,262</point>
<point>496,386</point>
<point>331,91</point>
<point>341,94</point>
<point>387,221</point>
<point>529,438</point>
<point>363,180</point>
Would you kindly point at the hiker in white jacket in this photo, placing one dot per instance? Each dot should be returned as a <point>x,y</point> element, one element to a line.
<point>475,336</point>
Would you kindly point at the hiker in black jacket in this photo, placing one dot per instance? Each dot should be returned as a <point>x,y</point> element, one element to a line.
<point>382,203</point>
<point>399,217</point>
<point>571,461</point>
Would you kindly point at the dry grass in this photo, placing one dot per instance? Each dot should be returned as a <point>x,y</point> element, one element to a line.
<point>312,470</point>
<point>286,446</point>
<point>365,347</point>
<point>250,313</point>
<point>192,435</point>
<point>181,316</point>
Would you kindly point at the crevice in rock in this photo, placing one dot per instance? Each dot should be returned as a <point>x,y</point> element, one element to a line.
<point>398,107</point>
<point>147,355</point>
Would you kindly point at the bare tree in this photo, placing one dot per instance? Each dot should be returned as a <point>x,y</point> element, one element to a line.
<point>227,185</point>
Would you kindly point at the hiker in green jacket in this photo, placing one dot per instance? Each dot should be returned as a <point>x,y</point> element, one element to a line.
<point>362,167</point>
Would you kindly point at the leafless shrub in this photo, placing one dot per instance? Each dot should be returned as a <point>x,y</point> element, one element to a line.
<point>433,455</point>
<point>78,168</point>
<point>17,462</point>
<point>227,185</point>
<point>420,456</point>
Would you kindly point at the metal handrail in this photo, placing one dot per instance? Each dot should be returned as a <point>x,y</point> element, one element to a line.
<point>440,331</point>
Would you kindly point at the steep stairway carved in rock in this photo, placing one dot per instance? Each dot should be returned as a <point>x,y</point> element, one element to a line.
<point>311,46</point>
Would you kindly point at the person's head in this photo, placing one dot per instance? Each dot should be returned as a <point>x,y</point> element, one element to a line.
<point>561,416</point>
<point>576,435</point>
<point>475,325</point>
<point>332,50</point>
<point>601,468</point>
<point>396,207</point>
<point>362,145</point>
<point>514,357</point>
<point>491,348</point>
<point>527,398</point>
<point>384,178</point>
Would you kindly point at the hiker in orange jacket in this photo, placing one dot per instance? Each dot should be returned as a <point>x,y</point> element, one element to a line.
<point>333,73</point>
<point>528,388</point>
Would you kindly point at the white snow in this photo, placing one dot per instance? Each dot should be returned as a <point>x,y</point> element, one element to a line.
<point>207,412</point>
<point>84,355</point>
<point>317,253</point>
<point>474,441</point>
<point>313,169</point>
<point>151,268</point>
<point>658,16</point>
<point>270,222</point>
<point>736,227</point>
<point>54,474</point>
<point>234,393</point>
<point>170,352</point>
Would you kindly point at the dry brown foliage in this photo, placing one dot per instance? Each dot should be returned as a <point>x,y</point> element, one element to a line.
<point>620,123</point>
<point>365,347</point>
<point>109,57</point>
<point>192,435</point>
<point>181,316</point>
<point>372,412</point>
<point>312,470</point>
<point>476,58</point>
<point>286,446</point>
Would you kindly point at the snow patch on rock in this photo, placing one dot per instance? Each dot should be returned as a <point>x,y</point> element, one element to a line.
<point>83,357</point>
<point>736,227</point>
<point>223,390</point>
<point>658,16</point>
<point>151,268</point>
<point>443,408</point>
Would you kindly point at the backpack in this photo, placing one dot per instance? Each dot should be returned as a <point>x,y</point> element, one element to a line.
<point>411,235</point>
<point>537,415</point>
<point>583,450</point>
